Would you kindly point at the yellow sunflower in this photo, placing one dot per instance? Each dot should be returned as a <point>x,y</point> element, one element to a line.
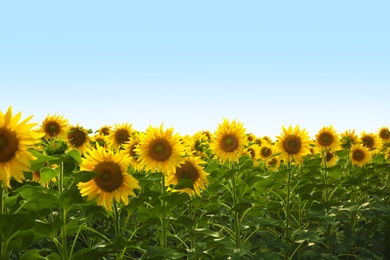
<point>99,139</point>
<point>15,140</point>
<point>293,144</point>
<point>360,155</point>
<point>273,163</point>
<point>327,138</point>
<point>78,138</point>
<point>253,152</point>
<point>160,150</point>
<point>330,157</point>
<point>266,151</point>
<point>251,138</point>
<point>119,135</point>
<point>112,181</point>
<point>55,126</point>
<point>198,144</point>
<point>348,138</point>
<point>104,130</point>
<point>369,140</point>
<point>384,134</point>
<point>228,141</point>
<point>129,150</point>
<point>192,170</point>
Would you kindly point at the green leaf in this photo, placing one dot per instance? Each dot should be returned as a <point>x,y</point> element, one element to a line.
<point>71,198</point>
<point>47,173</point>
<point>29,190</point>
<point>161,252</point>
<point>41,201</point>
<point>84,176</point>
<point>11,224</point>
<point>246,164</point>
<point>32,255</point>
<point>184,183</point>
<point>41,159</point>
<point>342,153</point>
<point>75,155</point>
<point>88,253</point>
<point>46,230</point>
<point>11,201</point>
<point>242,207</point>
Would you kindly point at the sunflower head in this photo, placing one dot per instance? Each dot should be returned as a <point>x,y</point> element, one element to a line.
<point>78,138</point>
<point>360,155</point>
<point>120,135</point>
<point>384,134</point>
<point>329,158</point>
<point>348,138</point>
<point>112,180</point>
<point>369,140</point>
<point>228,141</point>
<point>266,151</point>
<point>129,150</point>
<point>327,138</point>
<point>54,146</point>
<point>251,138</point>
<point>55,126</point>
<point>160,150</point>
<point>104,130</point>
<point>293,144</point>
<point>273,163</point>
<point>15,140</point>
<point>190,169</point>
<point>253,152</point>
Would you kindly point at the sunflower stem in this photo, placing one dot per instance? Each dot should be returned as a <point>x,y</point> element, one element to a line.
<point>63,214</point>
<point>191,216</point>
<point>117,225</point>
<point>2,197</point>
<point>163,220</point>
<point>287,229</point>
<point>237,230</point>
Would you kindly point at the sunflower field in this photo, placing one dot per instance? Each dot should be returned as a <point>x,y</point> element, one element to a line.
<point>67,192</point>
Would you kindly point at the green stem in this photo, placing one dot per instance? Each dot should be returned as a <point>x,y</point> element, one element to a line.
<point>118,231</point>
<point>163,220</point>
<point>287,229</point>
<point>2,197</point>
<point>63,214</point>
<point>191,216</point>
<point>237,225</point>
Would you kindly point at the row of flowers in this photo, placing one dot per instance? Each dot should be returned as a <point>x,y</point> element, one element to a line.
<point>110,151</point>
<point>226,193</point>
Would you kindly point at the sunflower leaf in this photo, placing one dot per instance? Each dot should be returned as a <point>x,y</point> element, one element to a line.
<point>84,176</point>
<point>184,183</point>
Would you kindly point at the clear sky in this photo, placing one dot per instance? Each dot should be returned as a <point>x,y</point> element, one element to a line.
<point>189,64</point>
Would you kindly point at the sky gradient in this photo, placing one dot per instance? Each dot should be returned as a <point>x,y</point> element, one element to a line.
<point>189,64</point>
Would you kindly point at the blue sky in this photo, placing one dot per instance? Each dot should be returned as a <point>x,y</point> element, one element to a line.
<point>191,63</point>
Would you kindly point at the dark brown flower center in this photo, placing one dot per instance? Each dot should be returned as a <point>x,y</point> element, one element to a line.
<point>110,176</point>
<point>187,170</point>
<point>292,144</point>
<point>252,152</point>
<point>77,137</point>
<point>160,150</point>
<point>325,139</point>
<point>8,145</point>
<point>358,155</point>
<point>229,143</point>
<point>52,128</point>
<point>121,136</point>
<point>131,150</point>
<point>104,131</point>
<point>266,152</point>
<point>368,142</point>
<point>329,156</point>
<point>384,134</point>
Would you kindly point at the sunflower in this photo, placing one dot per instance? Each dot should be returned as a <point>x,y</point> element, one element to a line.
<point>251,138</point>
<point>327,138</point>
<point>384,134</point>
<point>273,163</point>
<point>192,170</point>
<point>293,144</point>
<point>99,139</point>
<point>129,150</point>
<point>104,130</point>
<point>348,138</point>
<point>198,144</point>
<point>36,176</point>
<point>78,138</point>
<point>330,157</point>
<point>15,140</point>
<point>160,150</point>
<point>253,152</point>
<point>119,135</point>
<point>369,140</point>
<point>266,151</point>
<point>228,141</point>
<point>360,155</point>
<point>112,181</point>
<point>55,126</point>
<point>268,139</point>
